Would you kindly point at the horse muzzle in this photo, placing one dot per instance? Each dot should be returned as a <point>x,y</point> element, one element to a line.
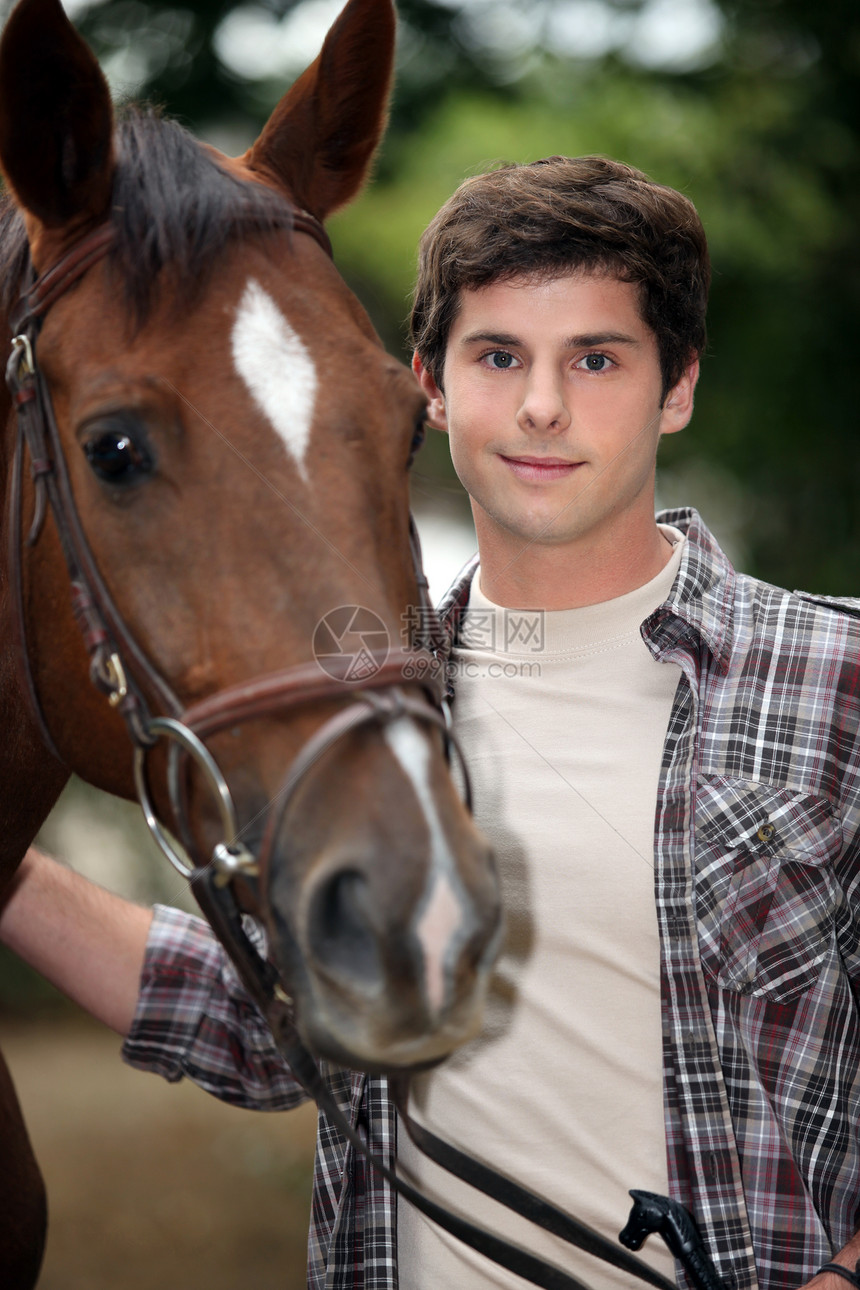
<point>378,896</point>
<point>382,975</point>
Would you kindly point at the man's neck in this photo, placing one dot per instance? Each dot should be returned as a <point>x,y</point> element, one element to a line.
<point>516,575</point>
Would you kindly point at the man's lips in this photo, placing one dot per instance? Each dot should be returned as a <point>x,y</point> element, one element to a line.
<point>540,469</point>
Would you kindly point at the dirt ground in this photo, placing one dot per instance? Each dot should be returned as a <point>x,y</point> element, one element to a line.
<point>156,1185</point>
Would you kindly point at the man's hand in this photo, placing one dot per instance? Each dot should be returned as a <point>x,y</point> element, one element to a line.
<point>847,1258</point>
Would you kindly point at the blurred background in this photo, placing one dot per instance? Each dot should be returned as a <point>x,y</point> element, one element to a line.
<point>750,107</point>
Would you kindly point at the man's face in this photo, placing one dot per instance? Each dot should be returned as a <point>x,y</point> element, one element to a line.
<point>552,404</point>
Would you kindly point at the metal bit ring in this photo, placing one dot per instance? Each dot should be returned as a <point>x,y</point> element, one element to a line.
<point>169,728</point>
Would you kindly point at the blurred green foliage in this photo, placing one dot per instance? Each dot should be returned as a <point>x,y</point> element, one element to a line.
<point>768,151</point>
<point>762,130</point>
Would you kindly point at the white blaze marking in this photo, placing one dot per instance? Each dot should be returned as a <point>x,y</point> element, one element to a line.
<point>442,915</point>
<point>436,928</point>
<point>274,363</point>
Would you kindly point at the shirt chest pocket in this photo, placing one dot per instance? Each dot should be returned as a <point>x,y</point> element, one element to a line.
<point>765,890</point>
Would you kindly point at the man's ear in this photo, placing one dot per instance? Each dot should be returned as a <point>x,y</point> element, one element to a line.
<point>437,415</point>
<point>678,407</point>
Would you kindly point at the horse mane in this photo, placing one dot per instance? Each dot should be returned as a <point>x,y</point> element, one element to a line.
<point>172,206</point>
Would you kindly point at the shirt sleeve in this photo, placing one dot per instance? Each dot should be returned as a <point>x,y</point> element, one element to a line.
<point>195,1020</point>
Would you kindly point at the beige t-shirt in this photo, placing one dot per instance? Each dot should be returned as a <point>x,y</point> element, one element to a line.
<point>562,716</point>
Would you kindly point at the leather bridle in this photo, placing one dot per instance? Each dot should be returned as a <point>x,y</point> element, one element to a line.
<point>405,682</point>
<point>395,683</point>
<point>121,669</point>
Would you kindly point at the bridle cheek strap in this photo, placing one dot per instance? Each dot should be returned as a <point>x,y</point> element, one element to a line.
<point>115,657</point>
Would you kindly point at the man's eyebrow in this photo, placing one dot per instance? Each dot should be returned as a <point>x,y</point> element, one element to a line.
<point>490,338</point>
<point>594,340</point>
<point>589,340</point>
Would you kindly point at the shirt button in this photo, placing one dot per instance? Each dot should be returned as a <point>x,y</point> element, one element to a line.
<point>765,833</point>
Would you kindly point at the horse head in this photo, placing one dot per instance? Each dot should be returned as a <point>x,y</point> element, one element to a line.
<point>233,443</point>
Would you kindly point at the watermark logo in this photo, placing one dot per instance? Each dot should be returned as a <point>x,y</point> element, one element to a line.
<point>478,629</point>
<point>351,643</point>
<point>524,630</point>
<point>518,630</point>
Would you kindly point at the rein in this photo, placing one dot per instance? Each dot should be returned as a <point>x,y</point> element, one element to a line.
<point>226,886</point>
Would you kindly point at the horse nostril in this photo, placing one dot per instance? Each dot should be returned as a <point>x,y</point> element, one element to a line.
<point>341,927</point>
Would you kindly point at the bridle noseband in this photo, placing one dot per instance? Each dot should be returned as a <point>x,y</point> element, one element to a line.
<point>406,682</point>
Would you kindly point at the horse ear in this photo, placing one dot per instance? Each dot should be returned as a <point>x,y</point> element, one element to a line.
<point>56,120</point>
<point>321,138</point>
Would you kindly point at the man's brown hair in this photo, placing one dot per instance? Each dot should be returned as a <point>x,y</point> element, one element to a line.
<point>554,216</point>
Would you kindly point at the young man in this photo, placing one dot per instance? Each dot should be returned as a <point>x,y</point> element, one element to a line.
<point>664,756</point>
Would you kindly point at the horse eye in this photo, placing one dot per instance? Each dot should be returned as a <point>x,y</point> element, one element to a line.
<point>417,440</point>
<point>116,458</point>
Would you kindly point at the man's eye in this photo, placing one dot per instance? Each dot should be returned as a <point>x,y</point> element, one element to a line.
<point>115,457</point>
<point>595,363</point>
<point>500,359</point>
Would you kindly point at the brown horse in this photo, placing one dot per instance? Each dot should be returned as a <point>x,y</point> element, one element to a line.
<point>233,443</point>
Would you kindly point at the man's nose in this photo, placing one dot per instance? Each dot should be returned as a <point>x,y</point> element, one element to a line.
<point>544,407</point>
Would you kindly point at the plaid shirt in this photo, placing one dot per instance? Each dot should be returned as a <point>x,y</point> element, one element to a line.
<point>756,882</point>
